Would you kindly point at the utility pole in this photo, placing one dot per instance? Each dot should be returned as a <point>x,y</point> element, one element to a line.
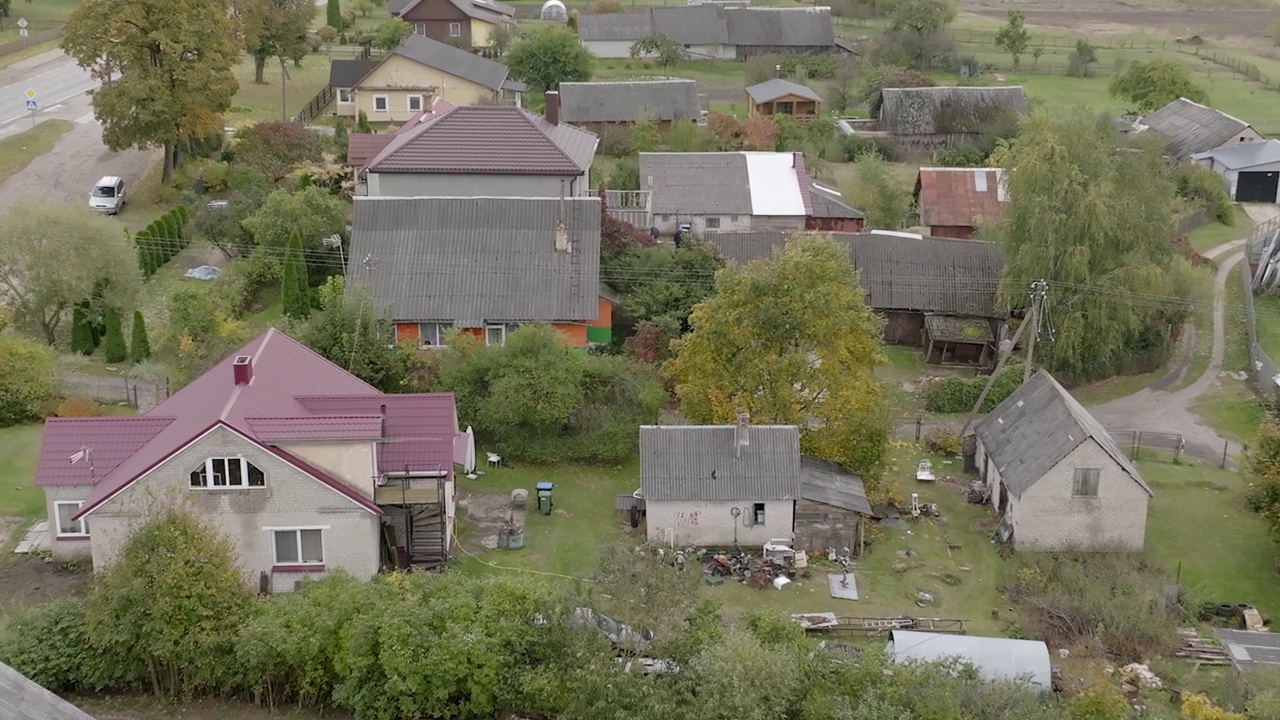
<point>1037,294</point>
<point>1039,289</point>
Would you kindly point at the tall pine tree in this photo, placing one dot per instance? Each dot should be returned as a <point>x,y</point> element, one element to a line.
<point>140,347</point>
<point>81,330</point>
<point>293,279</point>
<point>333,14</point>
<point>114,349</point>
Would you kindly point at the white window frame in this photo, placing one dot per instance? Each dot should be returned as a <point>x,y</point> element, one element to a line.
<point>455,30</point>
<point>244,475</point>
<point>1078,481</point>
<point>57,518</point>
<point>758,514</point>
<point>408,103</point>
<point>345,97</point>
<point>440,327</point>
<point>420,28</point>
<point>297,533</point>
<point>490,327</point>
<point>386,104</point>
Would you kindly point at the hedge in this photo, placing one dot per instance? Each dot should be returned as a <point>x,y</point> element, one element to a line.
<point>160,241</point>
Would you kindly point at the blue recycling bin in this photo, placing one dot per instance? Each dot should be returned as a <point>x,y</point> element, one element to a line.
<point>544,497</point>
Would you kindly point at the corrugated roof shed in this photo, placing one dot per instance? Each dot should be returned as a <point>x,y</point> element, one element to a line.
<point>828,203</point>
<point>898,272</point>
<point>469,261</point>
<point>945,110</point>
<point>1037,426</point>
<point>727,183</point>
<point>614,26</point>
<point>780,27</point>
<point>658,100</point>
<point>1190,127</point>
<point>959,197</point>
<point>696,25</point>
<point>1250,649</point>
<point>994,658</point>
<point>828,483</point>
<point>777,87</point>
<point>703,462</point>
<point>1245,155</point>
<point>23,699</point>
<point>489,139</point>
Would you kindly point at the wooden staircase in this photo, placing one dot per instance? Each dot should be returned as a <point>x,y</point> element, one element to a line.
<point>427,536</point>
<point>416,521</point>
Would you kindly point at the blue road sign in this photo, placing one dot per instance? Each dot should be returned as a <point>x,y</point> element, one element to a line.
<point>31,104</point>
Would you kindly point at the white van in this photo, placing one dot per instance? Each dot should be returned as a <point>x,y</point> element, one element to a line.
<point>108,195</point>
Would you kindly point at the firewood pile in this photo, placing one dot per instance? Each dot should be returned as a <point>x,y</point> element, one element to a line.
<point>1199,650</point>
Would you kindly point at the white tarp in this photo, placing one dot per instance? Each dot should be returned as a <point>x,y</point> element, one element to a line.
<point>774,185</point>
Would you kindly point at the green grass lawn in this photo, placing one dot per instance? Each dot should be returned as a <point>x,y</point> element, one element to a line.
<point>40,16</point>
<point>1233,410</point>
<point>1266,309</point>
<point>254,102</point>
<point>1213,234</point>
<point>1198,520</point>
<point>18,498</point>
<point>1236,336</point>
<point>19,151</point>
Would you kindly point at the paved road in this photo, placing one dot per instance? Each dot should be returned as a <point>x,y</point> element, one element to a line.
<point>67,174</point>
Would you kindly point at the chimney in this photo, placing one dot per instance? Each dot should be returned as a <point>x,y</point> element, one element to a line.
<point>382,411</point>
<point>242,369</point>
<point>741,438</point>
<point>553,107</point>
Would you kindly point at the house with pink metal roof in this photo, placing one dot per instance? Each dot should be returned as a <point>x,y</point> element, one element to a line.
<point>303,466</point>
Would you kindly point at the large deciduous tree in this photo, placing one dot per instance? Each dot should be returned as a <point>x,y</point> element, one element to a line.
<point>1094,220</point>
<point>1157,83</point>
<point>549,56</point>
<point>274,29</point>
<point>667,51</point>
<point>884,198</point>
<point>165,68</point>
<point>792,341</point>
<point>54,257</point>
<point>348,331</point>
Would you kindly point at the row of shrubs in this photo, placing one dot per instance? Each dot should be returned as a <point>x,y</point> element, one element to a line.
<point>160,241</point>
<point>958,394</point>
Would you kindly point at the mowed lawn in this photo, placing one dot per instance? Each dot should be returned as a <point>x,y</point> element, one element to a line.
<point>1214,233</point>
<point>1198,521</point>
<point>18,498</point>
<point>257,102</point>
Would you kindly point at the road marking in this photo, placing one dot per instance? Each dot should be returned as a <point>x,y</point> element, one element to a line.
<point>86,119</point>
<point>56,103</point>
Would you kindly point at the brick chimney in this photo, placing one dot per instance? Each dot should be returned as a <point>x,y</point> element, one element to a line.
<point>553,107</point>
<point>242,369</point>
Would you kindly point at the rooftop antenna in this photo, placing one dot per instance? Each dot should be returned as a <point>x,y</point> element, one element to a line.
<point>86,455</point>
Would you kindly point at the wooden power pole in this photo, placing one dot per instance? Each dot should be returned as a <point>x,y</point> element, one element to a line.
<point>1038,289</point>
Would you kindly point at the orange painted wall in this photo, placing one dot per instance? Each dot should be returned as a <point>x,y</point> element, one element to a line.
<point>574,335</point>
<point>604,313</point>
<point>406,332</point>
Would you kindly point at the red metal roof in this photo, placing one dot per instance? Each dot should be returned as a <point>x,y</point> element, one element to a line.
<point>283,371</point>
<point>439,106</point>
<point>958,197</point>
<point>420,429</point>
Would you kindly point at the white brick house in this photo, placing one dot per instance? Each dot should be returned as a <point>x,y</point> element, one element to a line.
<point>1057,476</point>
<point>719,485</point>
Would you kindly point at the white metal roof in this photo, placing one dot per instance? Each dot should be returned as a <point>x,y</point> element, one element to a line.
<point>1241,156</point>
<point>774,184</point>
<point>995,658</point>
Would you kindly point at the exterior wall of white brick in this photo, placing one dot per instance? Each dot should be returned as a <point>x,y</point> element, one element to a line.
<point>711,524</point>
<point>66,549</point>
<point>1047,517</point>
<point>350,462</point>
<point>290,499</point>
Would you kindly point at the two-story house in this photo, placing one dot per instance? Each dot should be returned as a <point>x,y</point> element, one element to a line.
<point>462,23</point>
<point>302,466</point>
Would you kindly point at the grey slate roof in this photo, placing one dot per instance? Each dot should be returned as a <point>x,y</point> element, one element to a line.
<point>702,462</point>
<point>23,699</point>
<point>1245,155</point>
<point>696,183</point>
<point>900,272</point>
<point>944,110</point>
<point>692,25</point>
<point>830,484</point>
<point>1037,426</point>
<point>715,25</point>
<point>828,203</point>
<point>659,100</point>
<point>1249,648</point>
<point>777,87</point>
<point>473,260</point>
<point>1190,127</point>
<point>452,60</point>
<point>489,139</point>
<point>614,26</point>
<point>782,27</point>
<point>347,73</point>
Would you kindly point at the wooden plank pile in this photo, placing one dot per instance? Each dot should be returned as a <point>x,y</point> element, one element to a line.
<point>1197,650</point>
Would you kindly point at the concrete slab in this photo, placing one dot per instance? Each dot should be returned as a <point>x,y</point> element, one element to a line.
<point>36,539</point>
<point>840,592</point>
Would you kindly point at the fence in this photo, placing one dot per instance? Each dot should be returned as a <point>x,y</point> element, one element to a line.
<point>1262,371</point>
<point>34,38</point>
<point>140,394</point>
<point>315,106</point>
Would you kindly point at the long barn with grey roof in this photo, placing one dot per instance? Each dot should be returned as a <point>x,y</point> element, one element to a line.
<point>711,31</point>
<point>1057,476</point>
<point>660,101</point>
<point>1189,127</point>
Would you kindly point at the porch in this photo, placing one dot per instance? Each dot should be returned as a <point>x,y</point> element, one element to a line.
<point>630,206</point>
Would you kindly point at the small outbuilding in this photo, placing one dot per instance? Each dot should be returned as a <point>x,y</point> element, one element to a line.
<point>831,508</point>
<point>930,118</point>
<point>995,658</point>
<point>1250,170</point>
<point>783,97</point>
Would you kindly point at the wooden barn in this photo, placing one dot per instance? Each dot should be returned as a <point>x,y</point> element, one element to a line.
<point>831,508</point>
<point>932,118</point>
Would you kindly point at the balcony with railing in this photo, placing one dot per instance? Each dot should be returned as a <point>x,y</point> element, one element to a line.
<point>632,206</point>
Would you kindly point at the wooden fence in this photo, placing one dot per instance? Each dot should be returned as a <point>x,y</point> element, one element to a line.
<point>315,106</point>
<point>35,38</point>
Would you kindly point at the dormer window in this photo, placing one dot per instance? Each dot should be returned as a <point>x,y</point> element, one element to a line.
<point>227,472</point>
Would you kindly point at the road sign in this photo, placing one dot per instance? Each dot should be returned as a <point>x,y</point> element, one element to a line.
<point>31,104</point>
<point>22,23</point>
<point>22,32</point>
<point>31,94</point>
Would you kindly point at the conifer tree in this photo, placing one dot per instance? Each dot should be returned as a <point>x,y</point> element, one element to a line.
<point>293,279</point>
<point>140,346</point>
<point>114,350</point>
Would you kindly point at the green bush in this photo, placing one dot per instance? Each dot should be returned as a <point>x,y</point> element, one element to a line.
<point>51,645</point>
<point>854,146</point>
<point>216,177</point>
<point>81,330</point>
<point>958,394</point>
<point>140,345</point>
<point>114,350</point>
<point>1204,188</point>
<point>961,156</point>
<point>26,379</point>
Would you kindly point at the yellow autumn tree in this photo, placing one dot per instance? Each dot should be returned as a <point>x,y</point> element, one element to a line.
<point>791,341</point>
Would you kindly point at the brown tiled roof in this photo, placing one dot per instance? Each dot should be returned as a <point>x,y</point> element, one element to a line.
<point>489,139</point>
<point>363,147</point>
<point>958,197</point>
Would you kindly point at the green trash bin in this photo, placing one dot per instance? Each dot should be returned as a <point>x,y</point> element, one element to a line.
<point>544,497</point>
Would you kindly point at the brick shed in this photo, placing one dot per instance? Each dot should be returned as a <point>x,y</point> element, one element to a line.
<point>831,507</point>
